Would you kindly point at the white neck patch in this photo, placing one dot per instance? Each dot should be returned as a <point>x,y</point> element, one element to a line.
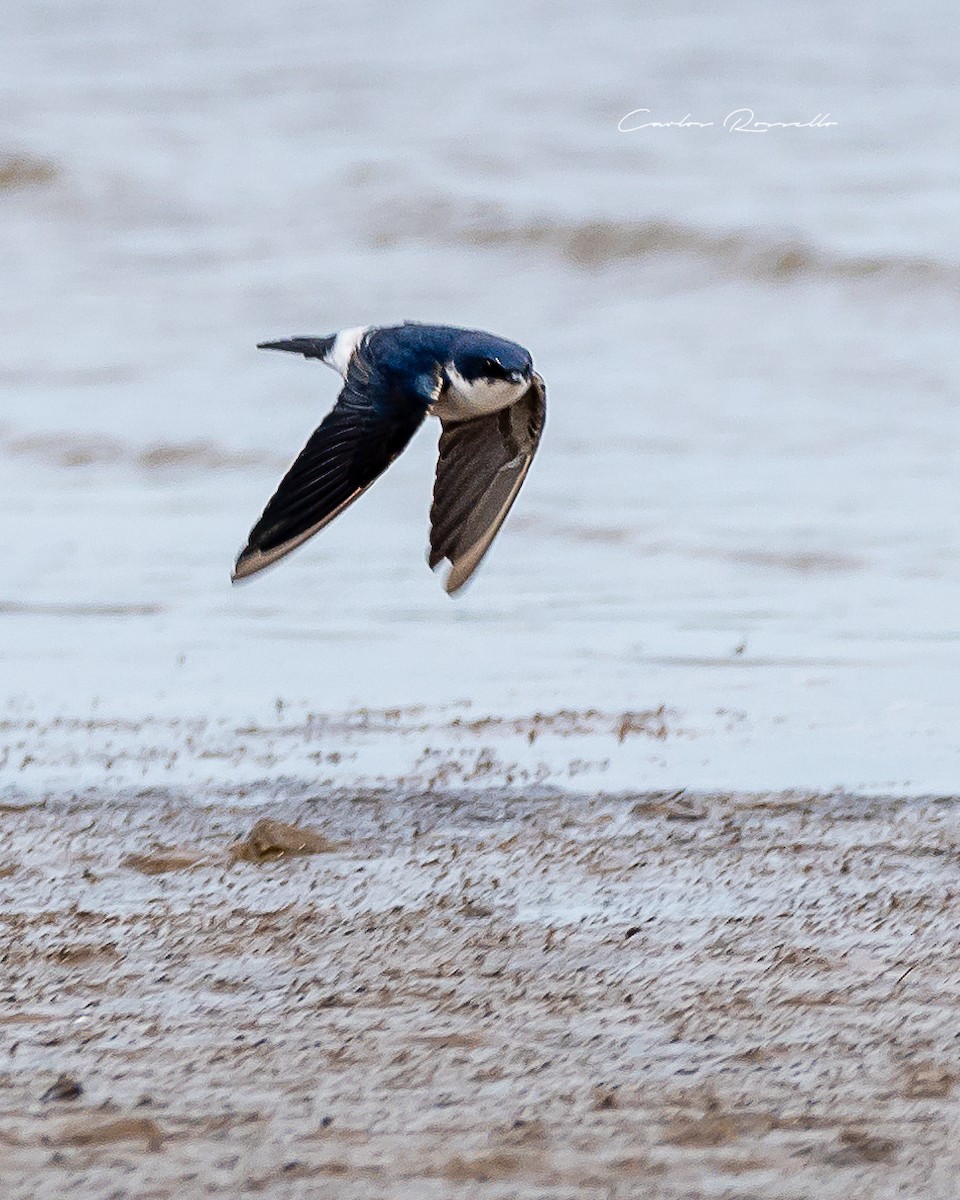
<point>344,345</point>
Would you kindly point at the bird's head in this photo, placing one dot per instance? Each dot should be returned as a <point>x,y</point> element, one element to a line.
<point>482,356</point>
<point>483,365</point>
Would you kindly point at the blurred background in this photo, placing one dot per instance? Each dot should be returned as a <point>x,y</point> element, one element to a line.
<point>743,517</point>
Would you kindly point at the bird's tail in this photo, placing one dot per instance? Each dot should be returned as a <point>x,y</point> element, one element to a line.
<point>309,347</point>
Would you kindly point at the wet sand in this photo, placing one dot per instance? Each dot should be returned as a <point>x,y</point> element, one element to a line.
<point>490,995</point>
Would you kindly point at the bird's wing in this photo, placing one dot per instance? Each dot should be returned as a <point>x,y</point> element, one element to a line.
<point>482,464</point>
<point>358,439</point>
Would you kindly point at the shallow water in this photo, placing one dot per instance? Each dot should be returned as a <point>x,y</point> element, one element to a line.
<point>744,511</point>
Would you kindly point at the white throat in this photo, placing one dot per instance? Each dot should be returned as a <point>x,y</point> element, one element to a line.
<point>463,399</point>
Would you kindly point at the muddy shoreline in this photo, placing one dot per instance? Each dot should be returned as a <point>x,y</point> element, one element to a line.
<point>496,995</point>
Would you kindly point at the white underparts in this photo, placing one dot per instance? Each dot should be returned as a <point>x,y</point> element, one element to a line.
<point>463,399</point>
<point>344,345</point>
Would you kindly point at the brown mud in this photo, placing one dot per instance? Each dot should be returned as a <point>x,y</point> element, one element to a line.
<point>724,996</point>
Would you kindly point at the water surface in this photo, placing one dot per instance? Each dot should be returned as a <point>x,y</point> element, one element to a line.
<point>744,514</point>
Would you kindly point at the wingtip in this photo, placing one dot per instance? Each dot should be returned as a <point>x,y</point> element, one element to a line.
<point>455,581</point>
<point>245,566</point>
<point>455,584</point>
<point>456,578</point>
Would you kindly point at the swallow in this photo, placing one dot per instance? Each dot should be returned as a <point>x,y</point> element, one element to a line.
<point>491,405</point>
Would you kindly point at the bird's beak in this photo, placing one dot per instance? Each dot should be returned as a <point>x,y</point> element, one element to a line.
<point>517,376</point>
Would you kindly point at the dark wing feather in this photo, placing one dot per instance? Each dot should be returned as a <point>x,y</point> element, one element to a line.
<point>357,441</point>
<point>482,464</point>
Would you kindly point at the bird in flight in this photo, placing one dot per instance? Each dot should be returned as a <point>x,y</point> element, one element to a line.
<point>491,405</point>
